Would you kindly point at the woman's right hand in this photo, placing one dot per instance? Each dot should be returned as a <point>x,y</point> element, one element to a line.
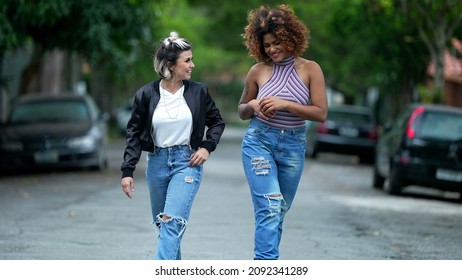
<point>128,186</point>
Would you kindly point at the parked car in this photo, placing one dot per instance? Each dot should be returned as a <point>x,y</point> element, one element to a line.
<point>51,131</point>
<point>348,130</point>
<point>123,114</point>
<point>423,147</point>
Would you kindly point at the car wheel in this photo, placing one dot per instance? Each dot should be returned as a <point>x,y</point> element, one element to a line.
<point>103,165</point>
<point>311,152</point>
<point>102,162</point>
<point>366,159</point>
<point>378,181</point>
<point>314,155</point>
<point>395,183</point>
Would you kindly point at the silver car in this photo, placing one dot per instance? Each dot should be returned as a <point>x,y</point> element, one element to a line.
<point>54,131</point>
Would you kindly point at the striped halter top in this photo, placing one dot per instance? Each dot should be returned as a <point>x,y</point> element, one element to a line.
<point>285,84</point>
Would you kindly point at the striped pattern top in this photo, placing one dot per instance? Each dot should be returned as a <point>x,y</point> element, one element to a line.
<point>285,84</point>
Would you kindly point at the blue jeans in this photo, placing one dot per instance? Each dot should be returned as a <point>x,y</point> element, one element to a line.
<point>273,161</point>
<point>172,187</point>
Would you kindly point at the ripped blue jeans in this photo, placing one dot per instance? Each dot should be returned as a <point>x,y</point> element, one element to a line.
<point>273,161</point>
<point>172,187</point>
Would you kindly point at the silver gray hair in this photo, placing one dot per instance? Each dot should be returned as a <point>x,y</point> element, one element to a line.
<point>168,52</point>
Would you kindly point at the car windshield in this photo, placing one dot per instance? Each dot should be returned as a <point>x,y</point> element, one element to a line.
<point>50,111</point>
<point>354,117</point>
<point>441,126</point>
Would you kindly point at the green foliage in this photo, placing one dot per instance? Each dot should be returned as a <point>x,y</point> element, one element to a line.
<point>101,31</point>
<point>429,95</point>
<point>358,43</point>
<point>228,20</point>
<point>8,38</point>
<point>371,45</point>
<point>436,22</point>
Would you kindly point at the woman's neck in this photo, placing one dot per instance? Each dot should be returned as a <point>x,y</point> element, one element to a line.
<point>171,85</point>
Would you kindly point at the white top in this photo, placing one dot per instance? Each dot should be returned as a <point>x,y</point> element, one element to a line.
<point>172,120</point>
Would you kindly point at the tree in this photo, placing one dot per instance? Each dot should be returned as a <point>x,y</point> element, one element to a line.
<point>102,32</point>
<point>372,46</point>
<point>436,21</point>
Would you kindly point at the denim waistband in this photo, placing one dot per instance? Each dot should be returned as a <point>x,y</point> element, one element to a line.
<point>258,124</point>
<point>175,147</point>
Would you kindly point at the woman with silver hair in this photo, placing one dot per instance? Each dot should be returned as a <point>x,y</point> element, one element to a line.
<point>169,119</point>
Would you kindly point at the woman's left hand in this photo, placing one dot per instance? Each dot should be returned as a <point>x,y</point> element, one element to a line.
<point>199,157</point>
<point>270,105</point>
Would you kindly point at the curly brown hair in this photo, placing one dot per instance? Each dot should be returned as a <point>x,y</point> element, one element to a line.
<point>282,23</point>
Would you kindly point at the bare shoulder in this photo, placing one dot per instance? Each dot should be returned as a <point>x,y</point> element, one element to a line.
<point>260,67</point>
<point>308,70</point>
<point>260,72</point>
<point>307,65</point>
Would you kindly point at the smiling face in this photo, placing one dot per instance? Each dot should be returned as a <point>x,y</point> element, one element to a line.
<point>183,67</point>
<point>274,48</point>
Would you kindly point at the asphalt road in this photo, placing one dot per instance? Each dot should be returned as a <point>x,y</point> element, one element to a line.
<point>337,215</point>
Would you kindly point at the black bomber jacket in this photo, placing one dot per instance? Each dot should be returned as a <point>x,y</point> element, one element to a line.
<point>139,127</point>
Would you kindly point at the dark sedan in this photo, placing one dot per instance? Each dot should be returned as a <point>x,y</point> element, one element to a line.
<point>423,147</point>
<point>51,131</point>
<point>348,130</point>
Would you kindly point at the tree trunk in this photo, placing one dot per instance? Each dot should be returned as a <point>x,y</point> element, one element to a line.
<point>101,89</point>
<point>51,76</point>
<point>439,79</point>
<point>30,81</point>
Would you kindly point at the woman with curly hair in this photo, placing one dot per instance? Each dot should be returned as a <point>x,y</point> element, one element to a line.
<point>282,90</point>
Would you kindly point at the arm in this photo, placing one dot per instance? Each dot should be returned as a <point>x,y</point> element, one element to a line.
<point>215,127</point>
<point>132,150</point>
<point>248,104</point>
<point>214,123</point>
